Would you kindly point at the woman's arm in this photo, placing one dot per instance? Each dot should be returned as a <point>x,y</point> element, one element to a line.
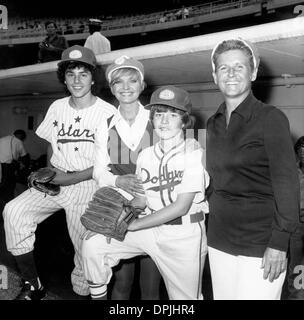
<point>101,172</point>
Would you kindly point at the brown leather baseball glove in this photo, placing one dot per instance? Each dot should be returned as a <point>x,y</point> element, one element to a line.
<point>41,180</point>
<point>109,213</point>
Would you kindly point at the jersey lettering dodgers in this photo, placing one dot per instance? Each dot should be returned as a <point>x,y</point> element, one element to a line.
<point>72,132</point>
<point>166,175</point>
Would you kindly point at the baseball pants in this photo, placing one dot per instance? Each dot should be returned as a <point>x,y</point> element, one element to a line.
<point>241,278</point>
<point>179,252</point>
<point>25,212</point>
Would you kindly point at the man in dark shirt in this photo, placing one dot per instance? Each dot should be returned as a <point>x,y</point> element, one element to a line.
<point>254,206</point>
<point>253,169</point>
<point>51,48</point>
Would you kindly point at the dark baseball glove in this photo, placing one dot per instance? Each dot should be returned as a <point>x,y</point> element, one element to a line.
<point>109,213</point>
<point>41,180</point>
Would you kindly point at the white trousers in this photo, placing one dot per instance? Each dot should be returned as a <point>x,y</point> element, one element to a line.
<point>178,251</point>
<point>241,278</point>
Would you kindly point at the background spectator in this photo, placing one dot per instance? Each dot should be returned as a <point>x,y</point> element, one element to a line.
<point>52,46</point>
<point>13,156</point>
<point>96,41</point>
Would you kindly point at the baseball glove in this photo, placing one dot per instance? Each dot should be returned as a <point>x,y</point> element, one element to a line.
<point>109,213</point>
<point>41,181</point>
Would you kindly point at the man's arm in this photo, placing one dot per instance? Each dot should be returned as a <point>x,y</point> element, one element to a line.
<point>284,178</point>
<point>285,184</point>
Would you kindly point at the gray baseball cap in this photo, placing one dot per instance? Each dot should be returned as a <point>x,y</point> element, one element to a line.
<point>171,96</point>
<point>78,54</point>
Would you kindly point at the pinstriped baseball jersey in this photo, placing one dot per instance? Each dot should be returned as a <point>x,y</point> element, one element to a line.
<point>165,175</point>
<point>72,132</point>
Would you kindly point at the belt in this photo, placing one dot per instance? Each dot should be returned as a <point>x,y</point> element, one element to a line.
<point>70,171</point>
<point>195,217</point>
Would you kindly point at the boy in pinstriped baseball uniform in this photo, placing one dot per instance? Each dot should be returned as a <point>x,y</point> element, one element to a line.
<point>172,232</point>
<point>69,126</point>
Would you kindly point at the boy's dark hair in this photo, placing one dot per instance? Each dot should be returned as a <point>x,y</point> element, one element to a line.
<point>20,134</point>
<point>70,65</point>
<point>187,120</point>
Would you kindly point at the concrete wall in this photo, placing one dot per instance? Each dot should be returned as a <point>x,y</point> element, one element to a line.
<point>10,121</point>
<point>290,99</point>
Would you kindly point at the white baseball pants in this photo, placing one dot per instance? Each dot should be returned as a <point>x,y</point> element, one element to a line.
<point>25,212</point>
<point>241,278</point>
<point>179,252</point>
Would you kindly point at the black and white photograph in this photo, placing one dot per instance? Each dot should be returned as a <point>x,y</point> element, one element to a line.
<point>152,151</point>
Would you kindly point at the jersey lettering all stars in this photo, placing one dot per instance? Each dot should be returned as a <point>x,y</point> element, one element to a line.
<point>72,132</point>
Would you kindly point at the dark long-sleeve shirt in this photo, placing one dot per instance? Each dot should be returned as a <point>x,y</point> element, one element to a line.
<point>255,198</point>
<point>46,54</point>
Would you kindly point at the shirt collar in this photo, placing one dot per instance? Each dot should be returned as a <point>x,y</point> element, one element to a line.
<point>118,117</point>
<point>244,109</point>
<point>160,152</point>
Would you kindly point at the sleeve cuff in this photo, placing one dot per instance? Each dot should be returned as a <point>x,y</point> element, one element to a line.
<point>279,240</point>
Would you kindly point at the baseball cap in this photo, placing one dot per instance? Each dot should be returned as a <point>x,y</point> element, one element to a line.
<point>246,43</point>
<point>95,22</point>
<point>172,97</point>
<point>122,63</point>
<point>79,54</point>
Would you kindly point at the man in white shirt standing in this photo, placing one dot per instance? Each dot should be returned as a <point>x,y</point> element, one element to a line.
<point>96,41</point>
<point>11,148</point>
